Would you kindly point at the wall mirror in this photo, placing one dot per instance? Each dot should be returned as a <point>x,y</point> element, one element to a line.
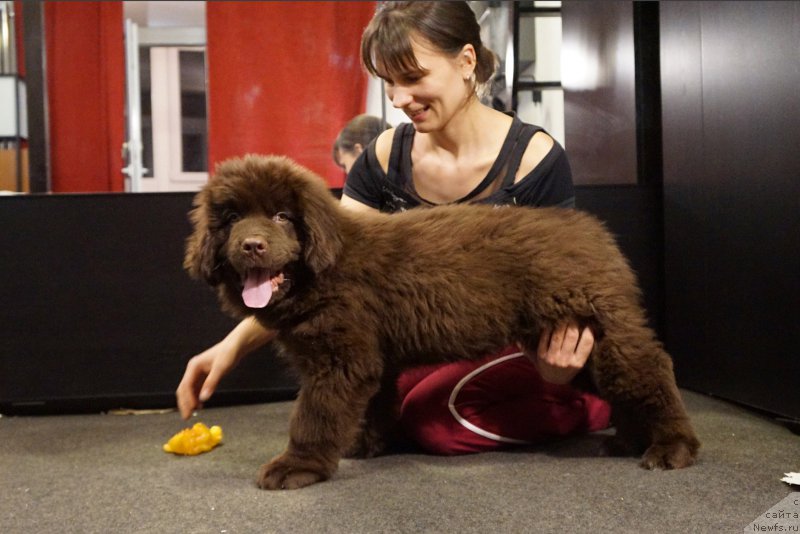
<point>145,96</point>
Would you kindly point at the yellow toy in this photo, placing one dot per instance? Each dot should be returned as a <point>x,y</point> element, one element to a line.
<point>195,440</point>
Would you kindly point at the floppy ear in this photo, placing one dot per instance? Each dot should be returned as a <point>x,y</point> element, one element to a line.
<point>322,224</point>
<point>201,250</point>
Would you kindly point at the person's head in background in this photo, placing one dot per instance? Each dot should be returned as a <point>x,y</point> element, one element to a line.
<point>354,138</point>
<point>431,56</point>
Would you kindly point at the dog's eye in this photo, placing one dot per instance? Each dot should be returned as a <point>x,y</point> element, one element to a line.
<point>281,217</point>
<point>230,216</point>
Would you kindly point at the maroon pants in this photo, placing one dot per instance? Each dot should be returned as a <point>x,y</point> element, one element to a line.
<point>490,404</point>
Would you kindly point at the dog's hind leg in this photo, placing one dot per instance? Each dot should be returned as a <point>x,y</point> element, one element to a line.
<point>380,425</point>
<point>635,374</point>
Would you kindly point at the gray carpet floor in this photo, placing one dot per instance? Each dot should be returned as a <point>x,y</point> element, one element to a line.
<point>107,473</point>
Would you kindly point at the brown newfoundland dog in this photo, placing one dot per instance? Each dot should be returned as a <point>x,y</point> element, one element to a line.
<point>356,298</point>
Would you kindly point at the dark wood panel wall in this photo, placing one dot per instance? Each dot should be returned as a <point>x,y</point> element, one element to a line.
<point>612,106</point>
<point>731,129</point>
<point>598,77</point>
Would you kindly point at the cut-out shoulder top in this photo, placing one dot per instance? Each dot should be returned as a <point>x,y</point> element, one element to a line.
<point>548,184</point>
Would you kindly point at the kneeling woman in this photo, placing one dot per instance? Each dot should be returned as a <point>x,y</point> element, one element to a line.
<point>455,149</point>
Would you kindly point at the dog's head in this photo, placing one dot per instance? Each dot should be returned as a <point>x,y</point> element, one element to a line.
<point>259,221</point>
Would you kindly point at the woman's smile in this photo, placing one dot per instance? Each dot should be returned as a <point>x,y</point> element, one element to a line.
<point>418,114</point>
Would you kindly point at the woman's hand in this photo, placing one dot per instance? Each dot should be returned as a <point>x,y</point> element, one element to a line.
<point>202,375</point>
<point>563,352</point>
<point>204,371</point>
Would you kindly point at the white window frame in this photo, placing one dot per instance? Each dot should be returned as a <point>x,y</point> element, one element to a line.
<point>166,120</point>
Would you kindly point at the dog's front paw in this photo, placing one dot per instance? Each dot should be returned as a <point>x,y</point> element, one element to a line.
<point>287,472</point>
<point>672,455</point>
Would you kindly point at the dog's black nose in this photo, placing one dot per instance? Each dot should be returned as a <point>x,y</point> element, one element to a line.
<point>254,245</point>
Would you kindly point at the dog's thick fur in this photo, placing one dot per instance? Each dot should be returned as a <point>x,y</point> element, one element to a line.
<point>364,296</point>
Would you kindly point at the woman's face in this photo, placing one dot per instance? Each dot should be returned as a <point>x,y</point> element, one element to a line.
<point>431,98</point>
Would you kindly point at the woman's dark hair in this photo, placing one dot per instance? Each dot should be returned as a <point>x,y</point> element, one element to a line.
<point>447,26</point>
<point>360,130</point>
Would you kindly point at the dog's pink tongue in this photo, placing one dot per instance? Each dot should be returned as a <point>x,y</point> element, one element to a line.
<point>257,288</point>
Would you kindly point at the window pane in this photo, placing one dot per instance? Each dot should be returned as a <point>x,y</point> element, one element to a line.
<point>540,49</point>
<point>147,113</point>
<point>544,108</point>
<point>194,135</point>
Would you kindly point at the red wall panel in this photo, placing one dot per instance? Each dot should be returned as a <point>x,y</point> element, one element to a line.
<point>19,39</point>
<point>284,77</point>
<point>86,95</point>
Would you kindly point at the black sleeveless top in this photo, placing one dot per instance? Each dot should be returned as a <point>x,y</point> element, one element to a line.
<point>548,184</point>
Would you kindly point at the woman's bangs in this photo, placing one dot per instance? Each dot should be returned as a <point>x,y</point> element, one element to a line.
<point>388,54</point>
